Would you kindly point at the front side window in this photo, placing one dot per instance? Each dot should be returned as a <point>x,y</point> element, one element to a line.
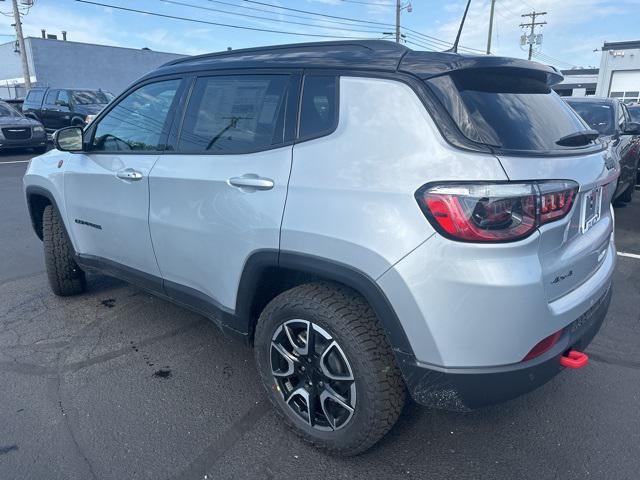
<point>634,113</point>
<point>234,114</point>
<point>137,122</point>
<point>319,108</point>
<point>510,109</point>
<point>52,96</point>
<point>63,97</point>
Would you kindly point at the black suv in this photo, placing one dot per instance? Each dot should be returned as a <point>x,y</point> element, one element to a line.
<point>63,107</point>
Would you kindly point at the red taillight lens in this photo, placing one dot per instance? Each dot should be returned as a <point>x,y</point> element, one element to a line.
<point>500,212</point>
<point>543,346</point>
<point>556,199</point>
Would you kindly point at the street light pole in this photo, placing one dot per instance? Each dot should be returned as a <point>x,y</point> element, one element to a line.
<point>23,50</point>
<point>493,6</point>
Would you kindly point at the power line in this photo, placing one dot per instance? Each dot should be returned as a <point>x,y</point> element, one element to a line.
<point>549,58</point>
<point>217,24</point>
<point>247,15</point>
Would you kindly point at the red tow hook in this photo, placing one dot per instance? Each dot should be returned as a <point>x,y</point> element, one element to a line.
<point>574,359</point>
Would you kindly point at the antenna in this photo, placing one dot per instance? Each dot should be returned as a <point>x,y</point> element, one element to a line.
<point>454,49</point>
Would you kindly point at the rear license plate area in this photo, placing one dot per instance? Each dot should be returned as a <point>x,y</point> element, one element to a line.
<point>591,208</point>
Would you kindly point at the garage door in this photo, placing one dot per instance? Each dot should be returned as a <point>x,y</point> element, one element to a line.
<point>626,85</point>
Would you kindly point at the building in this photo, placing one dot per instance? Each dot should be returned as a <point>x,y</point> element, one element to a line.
<point>620,71</point>
<point>578,82</point>
<point>61,63</point>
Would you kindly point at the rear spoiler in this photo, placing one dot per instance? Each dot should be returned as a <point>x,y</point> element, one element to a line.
<point>431,64</point>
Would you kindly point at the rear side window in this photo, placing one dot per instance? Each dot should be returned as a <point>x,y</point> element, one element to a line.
<point>319,109</point>
<point>234,114</point>
<point>507,109</point>
<point>35,96</point>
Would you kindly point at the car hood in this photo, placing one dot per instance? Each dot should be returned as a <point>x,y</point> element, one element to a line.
<point>90,109</point>
<point>18,122</point>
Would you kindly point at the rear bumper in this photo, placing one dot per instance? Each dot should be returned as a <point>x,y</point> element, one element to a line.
<point>465,389</point>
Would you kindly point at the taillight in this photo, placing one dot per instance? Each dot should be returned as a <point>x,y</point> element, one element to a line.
<point>495,212</point>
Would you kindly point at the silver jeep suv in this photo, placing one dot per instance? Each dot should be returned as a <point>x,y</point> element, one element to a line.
<point>371,219</point>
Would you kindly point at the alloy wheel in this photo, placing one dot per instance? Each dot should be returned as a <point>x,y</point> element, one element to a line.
<point>313,375</point>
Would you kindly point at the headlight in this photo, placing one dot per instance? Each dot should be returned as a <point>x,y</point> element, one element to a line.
<point>89,118</point>
<point>38,129</point>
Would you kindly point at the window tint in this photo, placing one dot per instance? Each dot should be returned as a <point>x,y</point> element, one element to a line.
<point>234,114</point>
<point>63,96</point>
<point>598,115</point>
<point>7,111</point>
<point>35,96</point>
<point>138,121</point>
<point>507,109</point>
<point>319,110</point>
<point>634,113</point>
<point>52,95</point>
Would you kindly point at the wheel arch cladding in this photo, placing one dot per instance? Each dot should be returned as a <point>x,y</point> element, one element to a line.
<point>269,273</point>
<point>37,200</point>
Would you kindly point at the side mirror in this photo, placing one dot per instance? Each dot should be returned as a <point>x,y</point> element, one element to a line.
<point>631,128</point>
<point>68,139</point>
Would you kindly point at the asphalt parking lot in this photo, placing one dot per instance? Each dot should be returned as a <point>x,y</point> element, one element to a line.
<point>118,384</point>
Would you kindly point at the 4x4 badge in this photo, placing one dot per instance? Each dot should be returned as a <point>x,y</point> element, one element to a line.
<point>560,278</point>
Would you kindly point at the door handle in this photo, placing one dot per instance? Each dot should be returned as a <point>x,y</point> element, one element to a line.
<point>251,182</point>
<point>129,174</point>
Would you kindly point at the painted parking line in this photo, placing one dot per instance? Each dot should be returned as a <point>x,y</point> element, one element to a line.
<point>629,255</point>
<point>14,161</point>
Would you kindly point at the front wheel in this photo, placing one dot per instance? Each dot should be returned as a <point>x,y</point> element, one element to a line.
<point>328,368</point>
<point>65,277</point>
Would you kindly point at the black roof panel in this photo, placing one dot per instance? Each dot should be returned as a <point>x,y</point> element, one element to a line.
<point>377,55</point>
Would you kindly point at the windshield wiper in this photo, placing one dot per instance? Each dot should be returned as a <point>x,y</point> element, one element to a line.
<point>578,139</point>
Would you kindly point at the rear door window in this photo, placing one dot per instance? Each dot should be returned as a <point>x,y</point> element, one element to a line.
<point>232,114</point>
<point>52,96</point>
<point>509,109</point>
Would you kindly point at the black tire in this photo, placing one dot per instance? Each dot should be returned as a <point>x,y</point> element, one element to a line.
<point>352,324</point>
<point>65,277</point>
<point>627,195</point>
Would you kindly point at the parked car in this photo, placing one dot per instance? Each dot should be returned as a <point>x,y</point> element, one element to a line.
<point>14,102</point>
<point>61,107</point>
<point>634,112</point>
<point>17,131</point>
<point>372,220</point>
<point>611,118</point>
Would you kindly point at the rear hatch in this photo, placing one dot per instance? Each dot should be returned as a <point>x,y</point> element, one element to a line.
<point>537,137</point>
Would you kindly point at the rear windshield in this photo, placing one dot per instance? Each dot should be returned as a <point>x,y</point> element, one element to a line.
<point>598,115</point>
<point>90,97</point>
<point>507,109</point>
<point>635,113</point>
<point>7,111</point>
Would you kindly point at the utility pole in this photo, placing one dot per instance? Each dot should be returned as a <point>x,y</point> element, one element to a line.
<point>532,25</point>
<point>398,11</point>
<point>493,6</point>
<point>23,50</point>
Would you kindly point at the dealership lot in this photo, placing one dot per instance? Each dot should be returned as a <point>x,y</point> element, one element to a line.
<point>117,384</point>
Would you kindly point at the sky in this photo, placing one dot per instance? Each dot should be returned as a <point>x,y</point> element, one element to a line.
<point>575,29</point>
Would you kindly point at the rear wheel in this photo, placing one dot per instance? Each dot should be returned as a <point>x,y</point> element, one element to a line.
<point>328,368</point>
<point>65,277</point>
